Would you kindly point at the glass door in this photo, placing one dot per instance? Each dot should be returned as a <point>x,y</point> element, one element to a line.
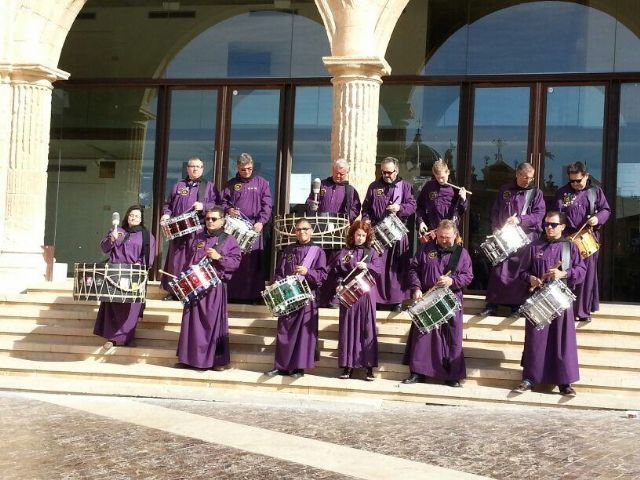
<point>500,141</point>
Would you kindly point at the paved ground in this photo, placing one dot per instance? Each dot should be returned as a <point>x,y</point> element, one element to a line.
<point>75,437</point>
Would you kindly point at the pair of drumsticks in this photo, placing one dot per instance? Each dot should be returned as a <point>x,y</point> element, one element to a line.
<point>546,274</point>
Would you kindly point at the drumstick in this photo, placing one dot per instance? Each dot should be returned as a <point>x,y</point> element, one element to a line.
<point>166,273</point>
<point>555,265</point>
<point>352,272</point>
<point>457,187</point>
<point>572,236</point>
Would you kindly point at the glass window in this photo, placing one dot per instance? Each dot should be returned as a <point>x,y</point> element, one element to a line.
<point>123,39</point>
<point>100,161</point>
<point>311,142</point>
<point>626,223</point>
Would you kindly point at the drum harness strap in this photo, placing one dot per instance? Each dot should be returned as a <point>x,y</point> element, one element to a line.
<point>454,259</point>
<point>346,201</point>
<point>528,198</point>
<point>566,256</point>
<point>591,197</point>
<point>308,260</point>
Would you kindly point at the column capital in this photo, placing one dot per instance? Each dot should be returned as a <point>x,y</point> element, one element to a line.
<point>364,67</point>
<point>31,72</point>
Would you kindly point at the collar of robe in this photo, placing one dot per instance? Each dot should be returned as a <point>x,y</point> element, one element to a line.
<point>528,187</point>
<point>392,184</point>
<point>308,244</point>
<point>136,229</point>
<point>191,183</point>
<point>443,250</point>
<point>331,180</point>
<point>242,179</point>
<point>555,240</point>
<point>215,233</point>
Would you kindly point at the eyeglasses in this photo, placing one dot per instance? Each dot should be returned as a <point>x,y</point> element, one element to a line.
<point>246,169</point>
<point>303,229</point>
<point>195,166</point>
<point>550,224</point>
<point>212,219</point>
<point>576,180</point>
<point>388,173</point>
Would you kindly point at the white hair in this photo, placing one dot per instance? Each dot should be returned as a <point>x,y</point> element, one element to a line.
<point>341,163</point>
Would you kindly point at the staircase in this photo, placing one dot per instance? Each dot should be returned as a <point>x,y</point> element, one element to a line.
<point>46,344</point>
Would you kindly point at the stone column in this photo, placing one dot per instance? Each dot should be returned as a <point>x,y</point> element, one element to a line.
<point>356,96</point>
<point>25,99</point>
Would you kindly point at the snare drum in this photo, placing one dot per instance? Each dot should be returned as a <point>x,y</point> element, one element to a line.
<point>361,284</point>
<point>287,295</point>
<point>388,231</point>
<point>509,239</point>
<point>243,231</point>
<point>110,282</point>
<point>328,231</point>
<point>433,309</point>
<point>547,303</point>
<point>181,225</point>
<point>194,282</point>
<point>586,243</point>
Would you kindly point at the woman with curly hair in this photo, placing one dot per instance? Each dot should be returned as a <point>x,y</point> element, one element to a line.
<point>358,341</point>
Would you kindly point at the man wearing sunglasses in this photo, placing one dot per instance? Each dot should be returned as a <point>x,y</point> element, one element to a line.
<point>297,332</point>
<point>248,196</point>
<point>191,193</point>
<point>204,333</point>
<point>391,195</point>
<point>521,203</point>
<point>550,355</point>
<point>582,202</point>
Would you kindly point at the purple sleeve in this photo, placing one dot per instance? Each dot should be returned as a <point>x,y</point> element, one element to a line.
<point>152,250</point>
<point>366,205</point>
<point>376,264</point>
<point>355,206</point>
<point>225,198</point>
<point>230,261</point>
<point>603,211</point>
<point>335,266</point>
<point>464,272</point>
<point>106,245</point>
<point>578,269</point>
<point>212,197</point>
<point>413,274</point>
<point>526,256</point>
<point>168,205</point>
<point>317,274</point>
<point>536,216</point>
<point>463,205</point>
<point>266,203</point>
<point>280,264</point>
<point>408,206</point>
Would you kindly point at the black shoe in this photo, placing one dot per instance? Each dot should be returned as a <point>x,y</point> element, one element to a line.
<point>170,297</point>
<point>514,316</point>
<point>396,308</point>
<point>487,312</point>
<point>297,373</point>
<point>273,373</point>
<point>346,373</point>
<point>413,378</point>
<point>184,366</point>
<point>584,319</point>
<point>453,383</point>
<point>567,390</point>
<point>524,386</point>
<point>369,377</point>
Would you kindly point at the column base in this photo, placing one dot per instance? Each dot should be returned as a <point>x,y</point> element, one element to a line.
<point>20,270</point>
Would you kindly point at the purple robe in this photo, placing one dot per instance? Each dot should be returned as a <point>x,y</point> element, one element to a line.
<point>550,355</point>
<point>503,287</point>
<point>391,281</point>
<point>252,196</point>
<point>204,333</point>
<point>438,354</point>
<point>439,202</point>
<point>331,200</point>
<point>575,205</point>
<point>117,321</point>
<point>297,332</point>
<point>182,197</point>
<point>357,337</point>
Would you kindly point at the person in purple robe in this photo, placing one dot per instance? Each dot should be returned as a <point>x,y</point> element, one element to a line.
<point>386,196</point>
<point>297,332</point>
<point>440,263</point>
<point>204,333</point>
<point>132,244</point>
<point>248,196</point>
<point>518,203</point>
<point>357,337</point>
<point>332,196</point>
<point>582,202</point>
<point>550,355</point>
<point>191,193</point>
<point>439,201</point>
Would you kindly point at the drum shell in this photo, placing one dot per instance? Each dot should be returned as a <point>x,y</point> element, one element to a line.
<point>503,243</point>
<point>109,282</point>
<point>194,282</point>
<point>181,225</point>
<point>547,303</point>
<point>243,232</point>
<point>435,308</point>
<point>388,231</point>
<point>586,243</point>
<point>287,295</point>
<point>348,294</point>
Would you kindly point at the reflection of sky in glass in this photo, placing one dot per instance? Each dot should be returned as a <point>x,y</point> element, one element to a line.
<point>576,38</point>
<point>254,44</point>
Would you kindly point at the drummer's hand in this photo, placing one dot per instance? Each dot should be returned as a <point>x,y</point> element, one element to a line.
<point>361,265</point>
<point>313,205</point>
<point>257,227</point>
<point>213,254</point>
<point>555,274</point>
<point>422,228</point>
<point>512,220</point>
<point>114,234</point>
<point>393,208</point>
<point>534,281</point>
<point>234,212</point>
<point>444,281</point>
<point>301,270</point>
<point>165,217</point>
<point>463,194</point>
<point>198,206</point>
<point>417,294</point>
<point>593,221</point>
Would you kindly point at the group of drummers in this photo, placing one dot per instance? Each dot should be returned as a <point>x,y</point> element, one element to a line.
<point>544,268</point>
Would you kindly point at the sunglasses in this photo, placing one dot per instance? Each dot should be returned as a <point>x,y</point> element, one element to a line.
<point>303,229</point>
<point>388,173</point>
<point>213,219</point>
<point>550,224</point>
<point>576,180</point>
